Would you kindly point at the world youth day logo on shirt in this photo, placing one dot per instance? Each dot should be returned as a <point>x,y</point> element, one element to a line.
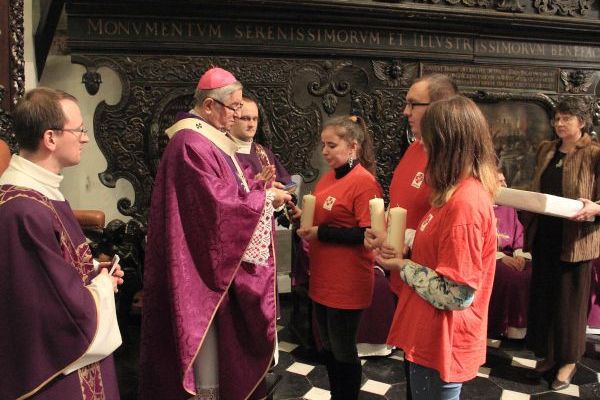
<point>328,204</point>
<point>418,180</point>
<point>425,222</point>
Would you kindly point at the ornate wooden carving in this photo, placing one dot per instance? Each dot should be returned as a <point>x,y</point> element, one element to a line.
<point>394,73</point>
<point>131,133</point>
<point>596,114</point>
<point>382,111</point>
<point>466,3</point>
<point>92,81</point>
<point>12,81</point>
<point>510,6</point>
<point>17,46</point>
<point>570,8</point>
<point>577,81</point>
<point>6,125</point>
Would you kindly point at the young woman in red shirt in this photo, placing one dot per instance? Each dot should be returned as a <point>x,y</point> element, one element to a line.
<point>441,316</point>
<point>341,269</point>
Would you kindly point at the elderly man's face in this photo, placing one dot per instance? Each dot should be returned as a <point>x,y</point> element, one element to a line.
<point>417,101</point>
<point>245,126</point>
<point>222,115</point>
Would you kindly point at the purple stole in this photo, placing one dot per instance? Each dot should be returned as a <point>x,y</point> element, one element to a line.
<point>260,157</point>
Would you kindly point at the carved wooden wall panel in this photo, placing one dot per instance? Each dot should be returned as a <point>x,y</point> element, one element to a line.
<point>12,71</point>
<point>295,95</point>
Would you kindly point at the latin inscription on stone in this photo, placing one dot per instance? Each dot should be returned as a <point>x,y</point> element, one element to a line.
<point>505,77</point>
<point>539,51</point>
<point>186,34</point>
<point>206,32</point>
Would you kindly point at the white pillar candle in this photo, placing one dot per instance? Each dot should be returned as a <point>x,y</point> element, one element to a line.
<point>308,211</point>
<point>396,228</point>
<point>377,209</point>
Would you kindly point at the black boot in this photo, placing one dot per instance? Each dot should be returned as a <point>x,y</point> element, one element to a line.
<point>349,381</point>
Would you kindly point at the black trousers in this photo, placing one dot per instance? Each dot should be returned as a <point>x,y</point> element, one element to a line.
<point>337,330</point>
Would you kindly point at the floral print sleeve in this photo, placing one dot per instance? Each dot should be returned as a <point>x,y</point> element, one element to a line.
<point>440,292</point>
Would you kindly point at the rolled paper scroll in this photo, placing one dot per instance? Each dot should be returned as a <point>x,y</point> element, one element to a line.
<point>538,202</point>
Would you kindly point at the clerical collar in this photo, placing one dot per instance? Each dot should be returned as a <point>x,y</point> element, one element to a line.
<point>244,147</point>
<point>342,171</point>
<point>22,172</point>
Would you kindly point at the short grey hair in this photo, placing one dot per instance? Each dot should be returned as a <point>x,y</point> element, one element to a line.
<point>219,94</point>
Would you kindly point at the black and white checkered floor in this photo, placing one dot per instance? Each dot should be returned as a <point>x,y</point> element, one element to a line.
<point>502,377</point>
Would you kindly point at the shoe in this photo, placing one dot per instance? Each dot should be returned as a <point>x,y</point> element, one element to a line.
<point>560,385</point>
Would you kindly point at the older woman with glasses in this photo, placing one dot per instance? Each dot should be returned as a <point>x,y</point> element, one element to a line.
<point>568,166</point>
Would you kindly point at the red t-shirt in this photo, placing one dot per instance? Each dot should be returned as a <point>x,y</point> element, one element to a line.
<point>408,188</point>
<point>341,275</point>
<point>458,241</point>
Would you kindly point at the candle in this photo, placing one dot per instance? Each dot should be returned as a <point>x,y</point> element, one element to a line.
<point>308,211</point>
<point>396,228</point>
<point>376,207</point>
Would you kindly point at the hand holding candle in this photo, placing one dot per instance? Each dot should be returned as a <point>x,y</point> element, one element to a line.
<point>308,211</point>
<point>376,207</point>
<point>396,228</point>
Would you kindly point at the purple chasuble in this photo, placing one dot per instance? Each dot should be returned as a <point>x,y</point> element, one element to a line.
<point>49,316</point>
<point>510,229</point>
<point>510,295</point>
<point>253,162</point>
<point>200,224</point>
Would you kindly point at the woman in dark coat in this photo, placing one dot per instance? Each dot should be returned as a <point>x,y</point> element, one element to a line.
<point>562,249</point>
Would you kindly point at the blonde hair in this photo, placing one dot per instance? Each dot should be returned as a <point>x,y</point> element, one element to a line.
<point>458,142</point>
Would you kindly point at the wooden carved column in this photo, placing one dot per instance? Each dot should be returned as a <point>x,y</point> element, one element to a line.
<point>12,72</point>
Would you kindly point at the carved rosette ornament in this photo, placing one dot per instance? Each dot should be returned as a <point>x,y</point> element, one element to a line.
<point>577,81</point>
<point>570,8</point>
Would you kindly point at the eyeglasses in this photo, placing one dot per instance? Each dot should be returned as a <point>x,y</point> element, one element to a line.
<point>78,132</point>
<point>565,119</point>
<point>248,119</point>
<point>234,107</point>
<point>413,104</point>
